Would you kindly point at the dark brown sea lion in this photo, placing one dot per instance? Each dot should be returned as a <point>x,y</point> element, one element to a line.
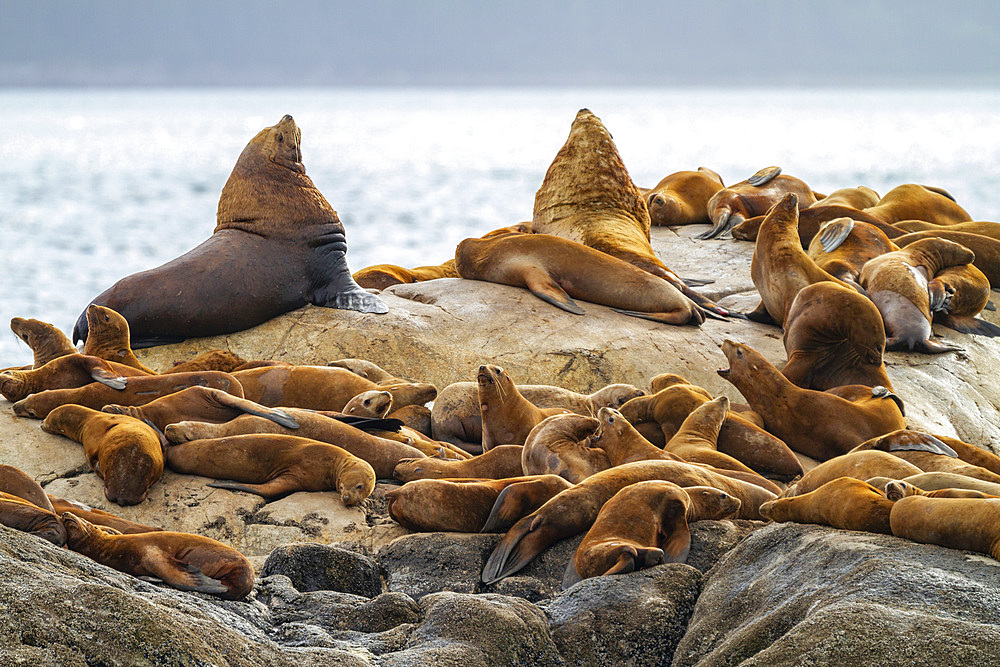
<point>180,560</point>
<point>19,514</point>
<point>754,196</point>
<point>498,463</point>
<point>213,360</point>
<point>507,416</point>
<point>66,372</point>
<point>560,445</point>
<point>125,452</point>
<point>957,523</point>
<point>834,337</point>
<point>986,249</point>
<point>108,338</point>
<point>381,276</point>
<point>818,424</point>
<point>682,198</point>
<point>278,245</point>
<point>645,524</point>
<point>138,391</point>
<point>842,247</point>
<point>273,466</point>
<point>18,483</point>
<point>46,342</point>
<point>588,197</point>
<point>845,503</point>
<point>200,404</point>
<point>98,517</point>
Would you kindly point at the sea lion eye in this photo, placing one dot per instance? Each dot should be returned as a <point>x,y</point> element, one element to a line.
<point>611,420</point>
<point>368,401</point>
<point>281,138</point>
<point>360,486</point>
<point>739,353</point>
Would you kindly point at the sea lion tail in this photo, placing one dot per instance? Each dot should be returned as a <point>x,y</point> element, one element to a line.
<point>517,548</point>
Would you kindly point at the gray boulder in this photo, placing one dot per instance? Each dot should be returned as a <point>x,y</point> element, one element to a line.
<point>319,567</point>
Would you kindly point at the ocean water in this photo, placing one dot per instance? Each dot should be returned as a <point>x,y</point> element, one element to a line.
<point>98,184</point>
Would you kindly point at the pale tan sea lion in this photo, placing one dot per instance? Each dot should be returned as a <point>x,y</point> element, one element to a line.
<point>931,453</point>
<point>934,481</point>
<point>957,523</point>
<point>560,445</point>
<point>213,360</point>
<point>862,465</point>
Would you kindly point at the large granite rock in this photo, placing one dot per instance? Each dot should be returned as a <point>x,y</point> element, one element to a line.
<point>318,567</point>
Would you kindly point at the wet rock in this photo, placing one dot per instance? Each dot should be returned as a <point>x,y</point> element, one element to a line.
<point>319,567</point>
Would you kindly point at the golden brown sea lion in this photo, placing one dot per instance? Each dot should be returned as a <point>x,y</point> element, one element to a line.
<point>556,270</point>
<point>643,525</point>
<point>462,505</point>
<point>18,483</point>
<point>273,466</point>
<point>897,283</point>
<point>507,416</point>
<point>980,227</point>
<point>834,337</point>
<point>816,423</point>
<point>970,293</point>
<point>898,489</point>
<point>935,481</point>
<point>932,454</point>
<point>417,417</point>
<point>367,370</point>
<point>278,245</point>
<point>98,517</point>
<point>180,560</point>
<point>381,276</point>
<point>986,249</point>
<point>919,202</point>
<point>213,360</point>
<point>682,198</point>
<point>65,372</point>
<point>845,503</point>
<point>201,404</point>
<point>498,463</point>
<point>575,509</point>
<point>138,391</point>
<point>957,523</point>
<point>859,197</point>
<point>46,342</point>
<point>560,445</point>
<point>754,196</point>
<point>842,247</point>
<point>125,452</point>
<point>588,197</point>
<point>108,338</point>
<point>862,465</point>
<point>19,514</point>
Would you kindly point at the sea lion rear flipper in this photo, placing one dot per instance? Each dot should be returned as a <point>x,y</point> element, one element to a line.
<point>884,392</point>
<point>832,234</point>
<point>942,192</point>
<point>514,503</point>
<point>570,576</point>
<point>698,282</point>
<point>368,424</point>
<point>760,314</point>
<point>727,220</point>
<point>333,285</point>
<point>541,284</point>
<point>968,324</point>
<point>921,442</point>
<point>676,317</point>
<point>764,176</point>
<point>277,415</point>
<point>102,372</point>
<point>516,548</point>
<point>990,306</point>
<point>164,443</point>
<point>939,296</point>
<point>186,577</point>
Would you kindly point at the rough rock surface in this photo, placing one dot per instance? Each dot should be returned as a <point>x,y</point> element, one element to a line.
<point>318,567</point>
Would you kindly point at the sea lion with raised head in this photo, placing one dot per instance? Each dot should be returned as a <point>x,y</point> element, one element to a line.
<point>507,416</point>
<point>66,372</point>
<point>381,276</point>
<point>108,338</point>
<point>180,560</point>
<point>754,196</point>
<point>845,503</point>
<point>278,245</point>
<point>682,197</point>
<point>46,342</point>
<point>560,445</point>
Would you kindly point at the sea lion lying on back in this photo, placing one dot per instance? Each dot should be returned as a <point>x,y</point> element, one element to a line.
<point>278,245</point>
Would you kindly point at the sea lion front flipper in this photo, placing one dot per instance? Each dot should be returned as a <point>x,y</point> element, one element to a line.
<point>102,372</point>
<point>883,392</point>
<point>968,324</point>
<point>514,503</point>
<point>902,441</point>
<point>541,284</point>
<point>675,537</point>
<point>271,490</point>
<point>832,234</point>
<point>333,285</point>
<point>990,305</point>
<point>760,314</point>
<point>939,296</point>
<point>277,415</point>
<point>518,547</point>
<point>764,176</point>
<point>368,424</point>
<point>186,577</point>
<point>675,317</point>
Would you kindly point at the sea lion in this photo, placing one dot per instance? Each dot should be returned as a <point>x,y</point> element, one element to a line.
<point>377,404</point>
<point>833,337</point>
<point>897,283</point>
<point>203,404</point>
<point>813,218</point>
<point>842,247</point>
<point>98,517</point>
<point>845,503</point>
<point>739,438</point>
<point>213,360</point>
<point>859,197</point>
<point>417,417</point>
<point>754,196</point>
<point>18,483</point>
<point>919,202</point>
<point>66,372</point>
<point>556,270</point>
<point>368,370</point>
<point>696,439</point>
<point>108,338</point>
<point>935,481</point>
<point>986,249</point>
<point>862,465</point>
<point>278,245</point>
<point>574,510</point>
<point>372,403</point>
<point>643,525</point>
<point>970,293</point>
<point>381,276</point>
<point>898,489</point>
<point>19,514</point>
<point>682,197</point>
<point>507,416</point>
<point>816,423</point>
<point>321,387</point>
<point>139,391</point>
<point>930,453</point>
<point>560,445</point>
<point>180,560</point>
<point>498,463</point>
<point>587,196</point>
<point>980,227</point>
<point>455,415</point>
<point>124,451</point>
<point>780,267</point>
<point>273,466</point>
<point>957,523</point>
<point>429,505</point>
<point>664,380</point>
<point>46,342</point>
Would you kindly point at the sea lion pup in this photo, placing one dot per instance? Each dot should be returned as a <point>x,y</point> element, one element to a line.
<point>98,517</point>
<point>139,391</point>
<point>956,523</point>
<point>833,337</point>
<point>780,267</point>
<point>862,465</point>
<point>180,560</point>
<point>845,503</point>
<point>643,525</point>
<point>986,249</point>
<point>381,276</point>
<point>739,438</point>
<point>936,481</point>
<point>460,505</point>
<point>381,454</point>
<point>66,372</point>
<point>498,463</point>
<point>278,245</point>
<point>587,196</point>
<point>273,466</point>
<point>213,360</point>
<point>980,227</point>
<point>18,483</point>
<point>929,453</point>
<point>970,293</point>
<point>556,270</point>
<point>108,338</point>
<point>321,387</point>
<point>842,247</point>
<point>507,416</point>
<point>125,452</point>
<point>455,415</point>
<point>754,196</point>
<point>203,404</point>
<point>818,424</point>
<point>46,342</point>
<point>897,283</point>
<point>573,511</point>
<point>19,514</point>
<point>682,197</point>
<point>560,445</point>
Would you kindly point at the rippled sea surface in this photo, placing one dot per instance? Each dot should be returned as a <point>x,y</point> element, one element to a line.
<point>98,184</point>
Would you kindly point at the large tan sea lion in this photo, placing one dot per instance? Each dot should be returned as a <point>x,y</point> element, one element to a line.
<point>986,249</point>
<point>203,404</point>
<point>278,245</point>
<point>843,246</point>
<point>499,463</point>
<point>958,523</point>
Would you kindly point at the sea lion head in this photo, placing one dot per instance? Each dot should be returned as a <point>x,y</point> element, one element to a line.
<point>281,144</point>
<point>12,386</point>
<point>77,528</point>
<point>45,340</point>
<point>610,422</point>
<point>741,358</point>
<point>710,503</point>
<point>108,328</point>
<point>128,472</point>
<point>356,481</point>
<point>897,489</point>
<point>494,383</point>
<point>616,395</point>
<point>374,404</point>
<point>64,420</point>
